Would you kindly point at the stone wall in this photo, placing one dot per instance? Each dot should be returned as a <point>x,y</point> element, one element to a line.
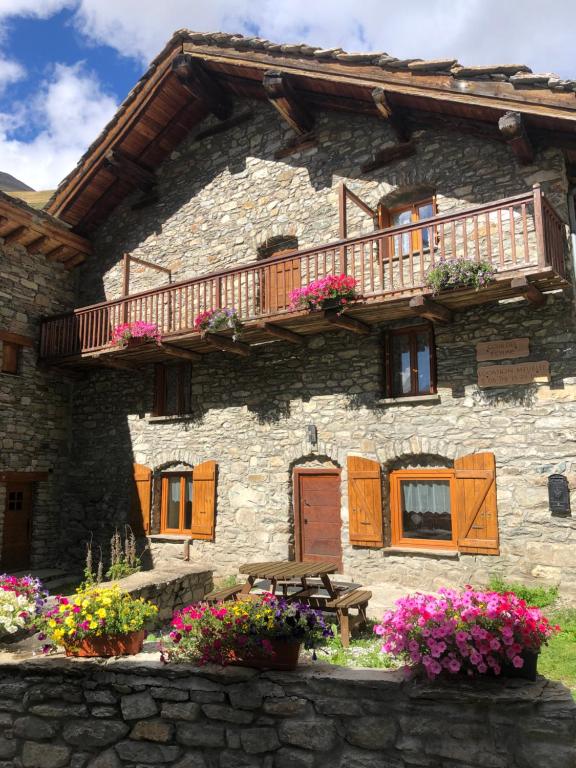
<point>34,405</point>
<point>135,713</point>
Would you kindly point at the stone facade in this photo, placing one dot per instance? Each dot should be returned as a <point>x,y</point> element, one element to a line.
<point>34,405</point>
<point>219,200</point>
<point>136,712</point>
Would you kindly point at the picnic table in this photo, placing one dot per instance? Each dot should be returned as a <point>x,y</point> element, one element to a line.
<point>292,574</point>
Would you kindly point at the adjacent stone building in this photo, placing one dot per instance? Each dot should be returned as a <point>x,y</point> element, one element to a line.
<point>395,437</point>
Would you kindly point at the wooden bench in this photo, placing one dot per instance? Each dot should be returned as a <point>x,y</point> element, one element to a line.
<point>220,595</point>
<point>357,598</point>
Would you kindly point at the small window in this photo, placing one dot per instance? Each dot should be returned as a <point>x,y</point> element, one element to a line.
<point>410,358</point>
<point>409,213</point>
<point>422,504</point>
<point>172,389</point>
<point>176,514</point>
<point>10,357</point>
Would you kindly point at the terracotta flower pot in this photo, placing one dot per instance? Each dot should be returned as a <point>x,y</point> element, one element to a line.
<point>284,656</point>
<point>108,645</point>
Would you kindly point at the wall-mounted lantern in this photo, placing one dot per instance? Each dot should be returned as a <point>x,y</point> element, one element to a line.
<point>559,496</point>
<point>312,434</point>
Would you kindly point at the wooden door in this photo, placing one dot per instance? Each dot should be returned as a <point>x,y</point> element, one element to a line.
<point>318,525</point>
<point>279,279</point>
<point>17,526</point>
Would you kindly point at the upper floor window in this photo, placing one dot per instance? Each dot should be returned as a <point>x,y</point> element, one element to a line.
<point>11,351</point>
<point>410,361</point>
<point>409,213</point>
<point>172,389</point>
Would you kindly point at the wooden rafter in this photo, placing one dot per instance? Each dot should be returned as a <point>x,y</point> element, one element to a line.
<point>202,85</point>
<point>393,116</point>
<point>37,244</point>
<point>431,310</point>
<point>530,292</point>
<point>513,129</point>
<point>175,351</point>
<point>297,144</point>
<point>389,155</point>
<point>285,334</point>
<point>226,344</point>
<point>16,235</point>
<point>60,253</point>
<point>284,98</point>
<point>130,170</point>
<point>225,125</point>
<point>348,323</point>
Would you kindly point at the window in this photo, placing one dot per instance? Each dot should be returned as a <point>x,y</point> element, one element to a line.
<point>410,360</point>
<point>422,508</point>
<point>409,213</point>
<point>10,357</point>
<point>172,389</point>
<point>177,502</point>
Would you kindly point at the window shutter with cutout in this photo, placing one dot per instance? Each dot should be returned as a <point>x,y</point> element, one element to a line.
<point>365,502</point>
<point>204,500</point>
<point>140,501</point>
<point>475,500</point>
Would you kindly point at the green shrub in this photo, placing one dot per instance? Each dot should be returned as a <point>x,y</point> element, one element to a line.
<point>537,596</point>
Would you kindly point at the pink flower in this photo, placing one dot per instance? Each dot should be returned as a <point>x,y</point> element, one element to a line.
<point>518,662</point>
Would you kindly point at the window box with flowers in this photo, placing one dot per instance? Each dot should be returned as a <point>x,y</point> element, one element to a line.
<point>21,602</point>
<point>266,632</point>
<point>330,292</point>
<point>459,273</point>
<point>96,621</point>
<point>468,633</point>
<point>217,320</point>
<point>133,334</point>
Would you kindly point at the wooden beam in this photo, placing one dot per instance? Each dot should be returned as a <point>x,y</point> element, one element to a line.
<point>392,115</point>
<point>284,98</point>
<point>57,254</point>
<point>431,310</point>
<point>530,291</point>
<point>130,170</point>
<point>74,260</point>
<point>348,323</point>
<point>23,477</point>
<point>36,245</point>
<point>513,129</point>
<point>202,85</point>
<point>117,364</point>
<point>285,334</point>
<point>297,144</point>
<point>15,235</point>
<point>225,125</point>
<point>388,155</point>
<point>15,338</point>
<point>175,351</point>
<point>226,344</point>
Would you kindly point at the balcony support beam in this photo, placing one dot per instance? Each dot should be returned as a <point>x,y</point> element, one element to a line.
<point>431,310</point>
<point>202,85</point>
<point>348,323</point>
<point>174,351</point>
<point>530,292</point>
<point>513,129</point>
<point>392,115</point>
<point>226,344</point>
<point>285,334</point>
<point>284,98</point>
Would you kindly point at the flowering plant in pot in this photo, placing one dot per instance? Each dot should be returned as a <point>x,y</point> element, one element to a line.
<point>136,332</point>
<point>459,273</point>
<point>332,291</point>
<point>214,320</point>
<point>96,621</point>
<point>262,631</point>
<point>21,601</point>
<point>465,632</point>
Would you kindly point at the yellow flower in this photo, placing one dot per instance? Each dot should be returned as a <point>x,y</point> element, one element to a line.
<point>101,613</point>
<point>51,623</point>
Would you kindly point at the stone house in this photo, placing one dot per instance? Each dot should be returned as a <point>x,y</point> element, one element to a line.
<point>410,438</point>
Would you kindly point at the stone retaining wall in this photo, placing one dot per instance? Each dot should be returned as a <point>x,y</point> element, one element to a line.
<point>56,713</point>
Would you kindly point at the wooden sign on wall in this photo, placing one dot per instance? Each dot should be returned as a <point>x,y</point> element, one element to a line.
<point>509,375</point>
<point>502,349</point>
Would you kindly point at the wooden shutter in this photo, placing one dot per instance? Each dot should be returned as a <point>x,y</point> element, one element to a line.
<point>279,280</point>
<point>204,500</point>
<point>365,502</point>
<point>476,512</point>
<point>140,501</point>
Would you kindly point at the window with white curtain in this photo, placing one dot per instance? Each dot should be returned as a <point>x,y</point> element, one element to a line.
<point>421,503</point>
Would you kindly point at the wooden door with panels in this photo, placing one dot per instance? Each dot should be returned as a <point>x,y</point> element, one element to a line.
<point>17,536</point>
<point>317,519</point>
<point>278,280</point>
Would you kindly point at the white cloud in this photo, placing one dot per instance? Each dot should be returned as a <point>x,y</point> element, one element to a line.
<point>10,72</point>
<point>68,113</point>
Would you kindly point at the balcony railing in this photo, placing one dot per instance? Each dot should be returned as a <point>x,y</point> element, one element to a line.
<point>518,234</point>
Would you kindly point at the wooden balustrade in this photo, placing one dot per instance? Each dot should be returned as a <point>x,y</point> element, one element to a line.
<point>512,234</point>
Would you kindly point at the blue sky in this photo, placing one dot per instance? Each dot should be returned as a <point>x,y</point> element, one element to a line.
<point>65,65</point>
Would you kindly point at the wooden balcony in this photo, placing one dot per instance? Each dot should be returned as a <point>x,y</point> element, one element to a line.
<point>522,236</point>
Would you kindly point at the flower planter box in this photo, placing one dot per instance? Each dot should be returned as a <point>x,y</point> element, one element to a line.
<point>528,671</point>
<point>284,656</point>
<point>108,645</point>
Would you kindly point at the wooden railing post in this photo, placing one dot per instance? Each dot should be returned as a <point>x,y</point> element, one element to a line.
<point>539,226</point>
<point>218,293</point>
<point>343,225</point>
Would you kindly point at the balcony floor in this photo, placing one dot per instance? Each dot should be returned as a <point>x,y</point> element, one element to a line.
<point>369,312</point>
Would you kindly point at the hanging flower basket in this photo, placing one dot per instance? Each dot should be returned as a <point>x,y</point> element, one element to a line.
<point>107,645</point>
<point>331,292</point>
<point>216,320</point>
<point>134,334</point>
<point>459,273</point>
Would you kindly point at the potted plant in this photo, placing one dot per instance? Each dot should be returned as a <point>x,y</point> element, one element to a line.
<point>330,292</point>
<point>215,320</point>
<point>459,273</point>
<point>263,632</point>
<point>21,601</point>
<point>138,332</point>
<point>465,632</point>
<point>96,621</point>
